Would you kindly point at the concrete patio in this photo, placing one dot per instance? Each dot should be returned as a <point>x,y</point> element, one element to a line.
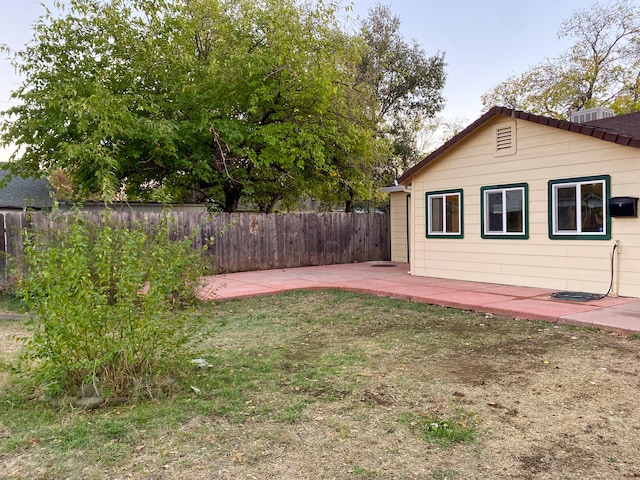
<point>617,314</point>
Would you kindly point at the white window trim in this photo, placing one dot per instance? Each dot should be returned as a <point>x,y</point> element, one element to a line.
<point>578,185</point>
<point>443,196</point>
<point>504,232</point>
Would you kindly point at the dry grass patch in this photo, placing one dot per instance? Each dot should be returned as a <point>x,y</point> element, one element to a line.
<point>318,385</point>
<point>10,332</point>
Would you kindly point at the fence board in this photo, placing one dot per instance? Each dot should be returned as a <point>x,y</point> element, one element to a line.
<point>249,241</point>
<point>3,248</point>
<point>13,224</point>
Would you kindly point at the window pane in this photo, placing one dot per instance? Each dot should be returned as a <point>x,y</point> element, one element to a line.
<point>591,195</point>
<point>453,214</point>
<point>437,223</point>
<point>494,212</point>
<point>566,208</point>
<point>579,207</point>
<point>515,211</point>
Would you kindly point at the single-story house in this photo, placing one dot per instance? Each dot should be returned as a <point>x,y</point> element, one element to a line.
<point>21,194</point>
<point>25,194</point>
<point>526,200</point>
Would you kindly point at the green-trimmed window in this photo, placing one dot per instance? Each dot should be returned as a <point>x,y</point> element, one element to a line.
<point>504,211</point>
<point>578,208</point>
<point>444,214</point>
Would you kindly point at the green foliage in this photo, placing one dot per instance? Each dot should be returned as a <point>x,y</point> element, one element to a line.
<point>246,89</point>
<point>402,88</point>
<point>107,303</point>
<point>10,302</point>
<point>443,432</point>
<point>261,99</point>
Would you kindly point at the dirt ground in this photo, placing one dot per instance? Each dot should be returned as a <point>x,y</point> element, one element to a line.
<point>548,402</point>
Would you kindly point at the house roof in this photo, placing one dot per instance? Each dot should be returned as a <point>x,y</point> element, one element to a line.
<point>627,125</point>
<point>623,130</point>
<point>25,193</point>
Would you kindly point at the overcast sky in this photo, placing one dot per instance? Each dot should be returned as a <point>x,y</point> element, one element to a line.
<point>484,41</point>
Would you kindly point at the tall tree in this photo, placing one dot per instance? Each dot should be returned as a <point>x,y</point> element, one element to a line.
<point>202,98</point>
<point>395,90</point>
<point>286,79</point>
<point>406,85</point>
<point>602,67</point>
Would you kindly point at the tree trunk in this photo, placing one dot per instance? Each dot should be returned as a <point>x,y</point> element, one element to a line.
<point>274,201</point>
<point>348,206</point>
<point>232,194</point>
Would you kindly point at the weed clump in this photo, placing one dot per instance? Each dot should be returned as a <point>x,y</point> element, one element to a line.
<point>443,432</point>
<point>107,303</point>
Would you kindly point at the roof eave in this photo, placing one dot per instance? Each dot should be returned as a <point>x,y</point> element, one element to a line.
<point>395,188</point>
<point>583,129</point>
<point>449,143</point>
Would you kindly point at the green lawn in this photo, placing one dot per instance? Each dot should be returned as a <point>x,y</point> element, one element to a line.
<point>341,385</point>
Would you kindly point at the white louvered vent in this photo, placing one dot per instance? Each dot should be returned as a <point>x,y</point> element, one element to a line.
<point>505,139</point>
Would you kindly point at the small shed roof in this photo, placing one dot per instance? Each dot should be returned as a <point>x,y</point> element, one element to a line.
<point>21,193</point>
<point>623,130</point>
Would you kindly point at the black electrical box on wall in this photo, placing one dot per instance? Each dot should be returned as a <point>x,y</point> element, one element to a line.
<point>623,207</point>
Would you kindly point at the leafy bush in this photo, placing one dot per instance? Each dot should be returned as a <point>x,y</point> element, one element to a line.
<point>107,303</point>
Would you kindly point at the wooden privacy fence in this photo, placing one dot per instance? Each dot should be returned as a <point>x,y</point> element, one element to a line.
<point>249,241</point>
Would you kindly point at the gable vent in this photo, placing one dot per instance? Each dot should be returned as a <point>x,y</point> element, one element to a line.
<point>505,139</point>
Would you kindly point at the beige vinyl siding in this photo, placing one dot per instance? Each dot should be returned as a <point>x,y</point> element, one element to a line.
<point>543,153</point>
<point>398,203</point>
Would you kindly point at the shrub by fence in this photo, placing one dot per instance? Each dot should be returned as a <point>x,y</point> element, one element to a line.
<point>249,241</point>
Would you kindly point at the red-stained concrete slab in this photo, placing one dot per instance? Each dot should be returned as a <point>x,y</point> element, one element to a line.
<point>391,279</point>
<point>364,284</point>
<point>539,309</point>
<point>621,318</point>
<point>239,291</point>
<point>596,319</point>
<point>417,291</point>
<point>631,305</point>
<point>468,300</point>
<point>614,302</point>
<point>515,291</point>
<point>452,284</point>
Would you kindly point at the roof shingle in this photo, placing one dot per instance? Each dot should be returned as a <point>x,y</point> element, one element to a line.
<point>22,193</point>
<point>623,130</point>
